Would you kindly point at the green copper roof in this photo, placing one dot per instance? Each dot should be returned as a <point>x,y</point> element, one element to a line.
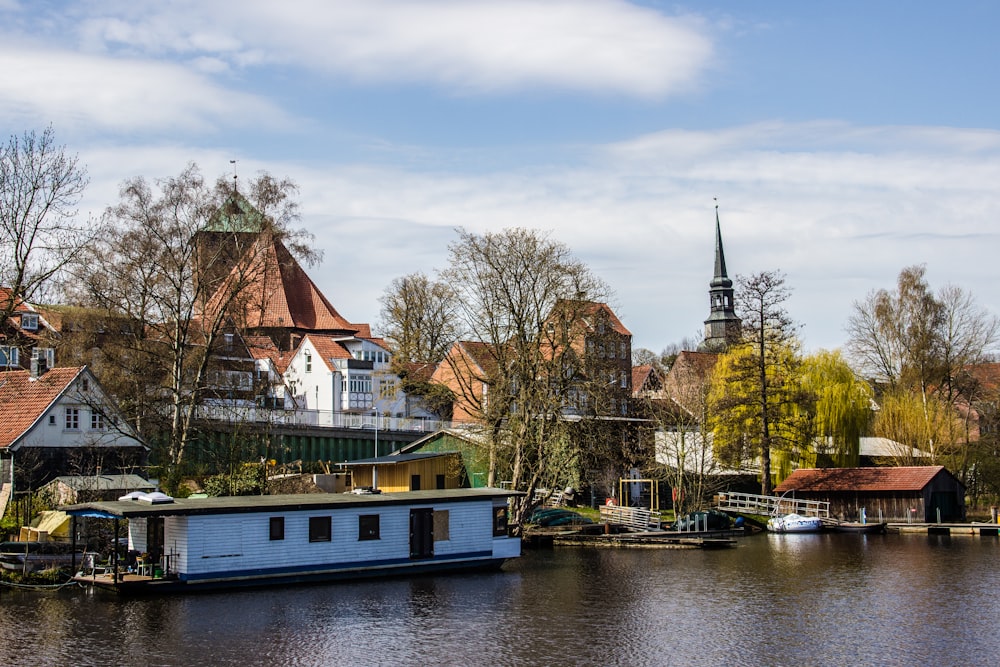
<point>236,215</point>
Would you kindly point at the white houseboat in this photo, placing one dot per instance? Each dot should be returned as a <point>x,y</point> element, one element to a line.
<point>194,544</point>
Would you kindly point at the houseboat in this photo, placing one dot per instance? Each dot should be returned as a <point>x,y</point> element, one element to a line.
<point>206,543</point>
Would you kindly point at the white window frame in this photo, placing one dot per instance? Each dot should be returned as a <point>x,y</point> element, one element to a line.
<point>72,419</point>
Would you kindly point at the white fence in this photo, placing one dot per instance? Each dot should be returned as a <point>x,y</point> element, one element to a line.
<point>750,503</point>
<point>633,517</point>
<point>320,418</point>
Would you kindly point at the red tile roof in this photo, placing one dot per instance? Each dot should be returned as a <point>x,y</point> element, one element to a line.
<point>903,478</point>
<point>281,294</point>
<point>23,400</point>
<point>328,348</point>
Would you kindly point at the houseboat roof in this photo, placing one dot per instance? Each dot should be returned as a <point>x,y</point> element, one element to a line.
<point>126,509</point>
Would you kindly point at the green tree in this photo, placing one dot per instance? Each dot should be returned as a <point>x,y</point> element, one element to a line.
<point>756,395</point>
<point>842,406</point>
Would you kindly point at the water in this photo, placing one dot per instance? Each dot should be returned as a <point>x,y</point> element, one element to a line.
<point>774,600</point>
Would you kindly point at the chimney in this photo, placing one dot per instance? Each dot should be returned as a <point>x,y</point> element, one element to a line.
<point>38,365</point>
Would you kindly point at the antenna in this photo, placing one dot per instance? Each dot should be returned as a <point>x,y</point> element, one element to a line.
<point>233,162</point>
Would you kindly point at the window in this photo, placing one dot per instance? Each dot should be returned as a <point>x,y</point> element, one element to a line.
<point>320,529</point>
<point>500,521</point>
<point>622,348</point>
<point>439,481</point>
<point>368,527</point>
<point>73,419</point>
<point>624,380</point>
<point>277,528</point>
<point>8,356</point>
<point>29,321</point>
<point>309,361</point>
<point>96,421</point>
<point>442,526</point>
<point>52,420</point>
<point>414,482</point>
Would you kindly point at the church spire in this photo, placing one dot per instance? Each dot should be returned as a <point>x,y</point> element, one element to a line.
<point>722,327</point>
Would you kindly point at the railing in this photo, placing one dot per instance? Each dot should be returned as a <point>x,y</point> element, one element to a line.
<point>320,418</point>
<point>771,505</point>
<point>636,518</point>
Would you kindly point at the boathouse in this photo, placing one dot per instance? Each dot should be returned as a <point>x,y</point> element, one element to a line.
<point>913,494</point>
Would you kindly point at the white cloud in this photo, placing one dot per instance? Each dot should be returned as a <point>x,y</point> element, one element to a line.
<point>838,221</point>
<point>602,46</point>
<point>122,95</point>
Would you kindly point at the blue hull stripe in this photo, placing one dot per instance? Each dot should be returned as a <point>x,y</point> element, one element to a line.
<point>321,570</point>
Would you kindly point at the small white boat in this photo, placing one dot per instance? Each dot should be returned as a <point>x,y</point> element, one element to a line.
<point>795,523</point>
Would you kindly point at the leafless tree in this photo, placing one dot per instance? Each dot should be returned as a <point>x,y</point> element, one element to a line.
<point>40,187</point>
<point>174,292</point>
<point>419,318</point>
<point>520,294</point>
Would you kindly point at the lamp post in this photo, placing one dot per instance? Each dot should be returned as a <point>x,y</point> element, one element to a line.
<point>374,464</point>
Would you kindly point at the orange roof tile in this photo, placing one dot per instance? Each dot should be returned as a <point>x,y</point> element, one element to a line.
<point>23,400</point>
<point>902,478</point>
<point>281,294</point>
<point>327,347</point>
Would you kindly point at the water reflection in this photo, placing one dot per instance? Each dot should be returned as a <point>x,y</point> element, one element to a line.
<point>774,600</point>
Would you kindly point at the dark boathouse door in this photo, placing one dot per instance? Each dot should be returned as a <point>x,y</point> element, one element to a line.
<point>422,533</point>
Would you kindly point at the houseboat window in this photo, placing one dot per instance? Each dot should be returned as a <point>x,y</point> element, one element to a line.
<point>277,528</point>
<point>441,526</point>
<point>499,521</point>
<point>320,529</point>
<point>368,527</point>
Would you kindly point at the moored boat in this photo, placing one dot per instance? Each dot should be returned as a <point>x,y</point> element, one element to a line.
<point>857,527</point>
<point>36,556</point>
<point>195,544</point>
<point>795,523</point>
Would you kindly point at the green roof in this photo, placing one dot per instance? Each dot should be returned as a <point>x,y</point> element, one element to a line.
<point>277,503</point>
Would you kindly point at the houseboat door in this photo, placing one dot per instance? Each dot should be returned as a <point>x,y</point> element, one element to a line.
<point>422,533</point>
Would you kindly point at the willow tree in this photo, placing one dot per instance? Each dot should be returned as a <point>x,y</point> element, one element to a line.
<point>519,295</point>
<point>841,406</point>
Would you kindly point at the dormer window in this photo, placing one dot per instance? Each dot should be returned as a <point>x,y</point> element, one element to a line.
<point>29,321</point>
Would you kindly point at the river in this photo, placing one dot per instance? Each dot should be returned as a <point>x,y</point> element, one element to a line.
<point>824,599</point>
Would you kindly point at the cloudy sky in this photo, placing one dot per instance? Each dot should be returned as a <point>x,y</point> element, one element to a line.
<point>843,141</point>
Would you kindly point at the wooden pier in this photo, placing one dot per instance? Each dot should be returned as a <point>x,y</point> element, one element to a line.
<point>749,503</point>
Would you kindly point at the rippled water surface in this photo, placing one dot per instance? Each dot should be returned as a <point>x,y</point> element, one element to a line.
<point>773,600</point>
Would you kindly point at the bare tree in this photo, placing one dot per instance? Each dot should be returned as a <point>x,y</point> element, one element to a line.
<point>40,187</point>
<point>419,318</point>
<point>520,296</point>
<point>923,344</point>
<point>154,270</point>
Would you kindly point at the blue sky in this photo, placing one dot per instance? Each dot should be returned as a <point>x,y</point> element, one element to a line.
<point>844,141</point>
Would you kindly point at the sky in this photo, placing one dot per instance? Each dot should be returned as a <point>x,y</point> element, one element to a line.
<point>840,141</point>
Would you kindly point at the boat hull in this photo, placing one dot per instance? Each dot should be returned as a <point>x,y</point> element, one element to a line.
<point>866,528</point>
<point>131,585</point>
<point>794,523</point>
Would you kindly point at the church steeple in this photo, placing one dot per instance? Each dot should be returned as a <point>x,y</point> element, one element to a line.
<point>722,327</point>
